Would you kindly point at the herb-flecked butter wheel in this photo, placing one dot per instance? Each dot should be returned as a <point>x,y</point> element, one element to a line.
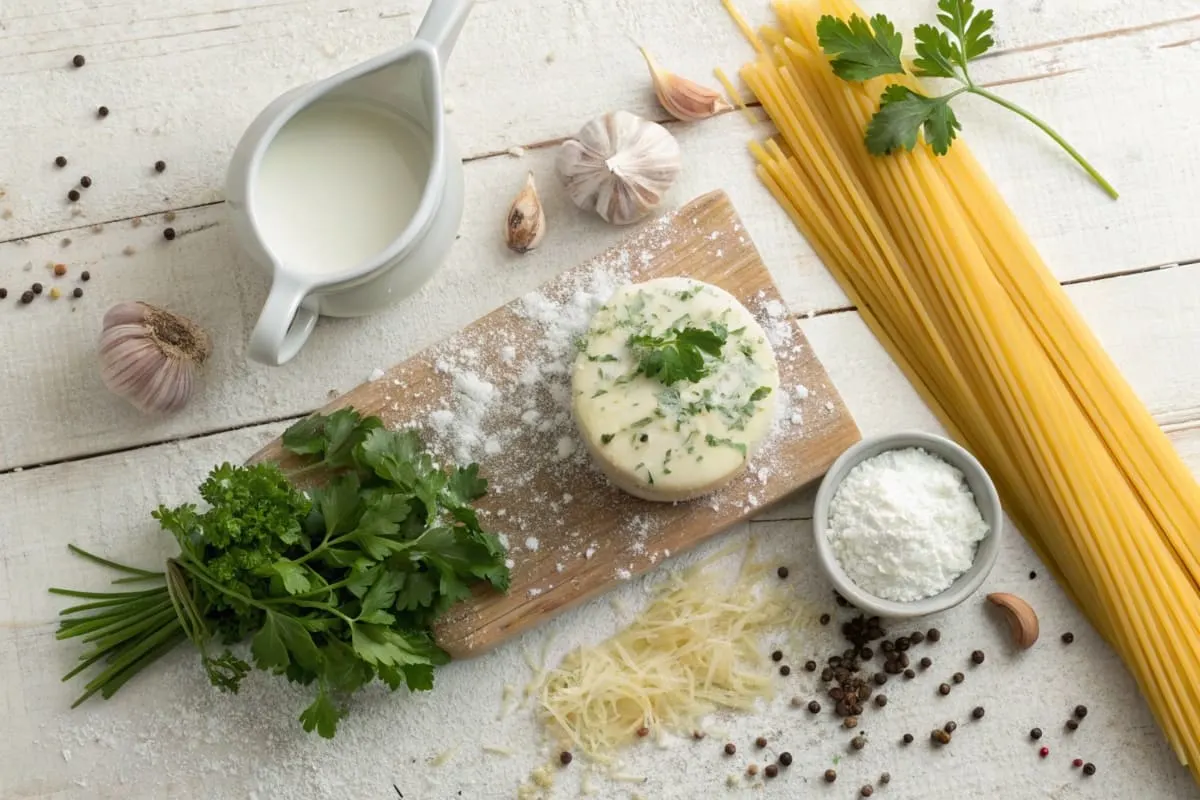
<point>692,425</point>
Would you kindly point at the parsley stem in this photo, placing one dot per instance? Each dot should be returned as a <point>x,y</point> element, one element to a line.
<point>1079,159</point>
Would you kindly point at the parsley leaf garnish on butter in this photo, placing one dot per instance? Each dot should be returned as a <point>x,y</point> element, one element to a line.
<point>678,355</point>
<point>334,587</point>
<point>860,50</point>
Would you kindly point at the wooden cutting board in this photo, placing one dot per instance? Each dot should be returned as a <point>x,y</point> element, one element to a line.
<point>571,535</point>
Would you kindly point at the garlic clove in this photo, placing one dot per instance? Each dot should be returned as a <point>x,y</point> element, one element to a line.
<point>526,221</point>
<point>1022,619</point>
<point>684,99</point>
<point>620,166</point>
<point>150,356</point>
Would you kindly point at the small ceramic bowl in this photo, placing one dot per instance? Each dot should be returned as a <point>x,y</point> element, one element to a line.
<point>985,498</point>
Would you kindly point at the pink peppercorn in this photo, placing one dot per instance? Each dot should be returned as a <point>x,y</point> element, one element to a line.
<point>1077,763</point>
<point>1045,751</point>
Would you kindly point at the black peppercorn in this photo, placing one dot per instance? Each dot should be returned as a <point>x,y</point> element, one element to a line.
<point>785,670</point>
<point>785,758</point>
<point>866,653</point>
<point>810,666</point>
<point>60,161</point>
<point>837,693</point>
<point>944,689</point>
<point>1035,734</point>
<point>85,182</point>
<point>645,437</point>
<point>78,61</point>
<point>885,778</point>
<point>782,572</point>
<point>777,655</point>
<point>910,674</point>
<point>887,646</point>
<point>730,748</point>
<point>907,738</point>
<point>27,297</point>
<point>771,771</point>
<point>1080,711</point>
<point>978,712</point>
<point>933,635</point>
<point>830,775</point>
<point>37,288</point>
<point>880,679</point>
<point>73,195</point>
<point>1068,637</point>
<point>1032,574</point>
<point>169,234</point>
<point>958,677</point>
<point>3,294</point>
<point>902,660</point>
<point>102,112</point>
<point>881,700</point>
<point>977,657</point>
<point>814,706</point>
<point>825,618</point>
<point>950,727</point>
<point>866,791</point>
<point>77,293</point>
<point>1089,768</point>
<point>565,757</point>
<point>916,637</point>
<point>926,662</point>
<point>1072,724</point>
<point>827,674</point>
<point>835,661</point>
<point>858,742</point>
<point>902,644</point>
<point>85,276</point>
<point>760,742</point>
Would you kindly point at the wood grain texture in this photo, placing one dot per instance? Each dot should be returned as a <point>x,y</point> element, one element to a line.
<point>590,535</point>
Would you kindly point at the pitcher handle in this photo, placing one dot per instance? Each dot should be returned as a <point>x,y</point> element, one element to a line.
<point>442,23</point>
<point>283,326</point>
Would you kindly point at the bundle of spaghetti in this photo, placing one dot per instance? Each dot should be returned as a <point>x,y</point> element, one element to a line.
<point>942,273</point>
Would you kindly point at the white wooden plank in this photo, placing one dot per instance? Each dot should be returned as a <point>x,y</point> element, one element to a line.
<point>183,81</point>
<point>171,735</point>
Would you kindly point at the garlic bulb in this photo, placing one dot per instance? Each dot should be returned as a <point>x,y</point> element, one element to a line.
<point>526,221</point>
<point>620,166</point>
<point>683,99</point>
<point>150,356</point>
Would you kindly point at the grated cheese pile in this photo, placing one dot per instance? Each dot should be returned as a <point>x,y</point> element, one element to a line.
<point>696,649</point>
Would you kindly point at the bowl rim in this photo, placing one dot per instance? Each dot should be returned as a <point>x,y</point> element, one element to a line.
<point>988,502</point>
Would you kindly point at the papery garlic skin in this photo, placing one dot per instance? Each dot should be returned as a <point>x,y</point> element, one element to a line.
<point>525,224</point>
<point>684,99</point>
<point>620,166</point>
<point>151,357</point>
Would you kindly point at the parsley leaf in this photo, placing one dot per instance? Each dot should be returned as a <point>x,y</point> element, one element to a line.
<point>861,50</point>
<point>322,716</point>
<point>678,355</point>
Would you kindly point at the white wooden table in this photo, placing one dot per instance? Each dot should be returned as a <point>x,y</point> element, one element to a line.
<point>183,77</point>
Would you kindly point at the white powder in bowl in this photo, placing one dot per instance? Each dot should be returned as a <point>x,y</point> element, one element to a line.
<point>904,525</point>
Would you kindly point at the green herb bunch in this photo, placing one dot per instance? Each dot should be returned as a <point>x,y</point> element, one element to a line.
<point>678,354</point>
<point>860,51</point>
<point>337,586</point>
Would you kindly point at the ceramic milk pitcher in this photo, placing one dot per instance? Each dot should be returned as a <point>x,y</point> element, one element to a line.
<point>349,190</point>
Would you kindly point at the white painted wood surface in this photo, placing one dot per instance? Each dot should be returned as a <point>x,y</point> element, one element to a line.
<point>182,78</point>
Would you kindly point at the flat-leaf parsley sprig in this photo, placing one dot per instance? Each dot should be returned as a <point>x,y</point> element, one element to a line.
<point>861,50</point>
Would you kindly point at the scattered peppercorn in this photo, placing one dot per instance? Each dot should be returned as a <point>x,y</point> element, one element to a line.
<point>850,722</point>
<point>879,678</point>
<point>1068,637</point>
<point>827,674</point>
<point>958,677</point>
<point>1080,711</point>
<point>1043,752</point>
<point>102,112</point>
<point>85,181</point>
<point>903,644</point>
<point>730,748</point>
<point>771,771</point>
<point>698,735</point>
<point>55,292</point>
<point>950,727</point>
<point>169,235</point>
<point>1035,734</point>
<point>866,791</point>
<point>27,297</point>
<point>73,195</point>
<point>939,736</point>
<point>760,742</point>
<point>1077,763</point>
<point>78,61</point>
<point>910,674</point>
<point>825,618</point>
<point>643,731</point>
<point>866,653</point>
<point>926,662</point>
<point>60,269</point>
<point>1072,724</point>
<point>881,700</point>
<point>752,770</point>
<point>885,778</point>
<point>814,706</point>
<point>858,742</point>
<point>3,294</point>
<point>944,689</point>
<point>785,670</point>
<point>978,712</point>
<point>60,161</point>
<point>785,758</point>
<point>565,757</point>
<point>907,738</point>
<point>160,166</point>
<point>1089,768</point>
<point>810,666</point>
<point>916,637</point>
<point>1032,574</point>
<point>85,276</point>
<point>977,657</point>
<point>36,288</point>
<point>830,775</point>
<point>777,655</point>
<point>933,635</point>
<point>782,572</point>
